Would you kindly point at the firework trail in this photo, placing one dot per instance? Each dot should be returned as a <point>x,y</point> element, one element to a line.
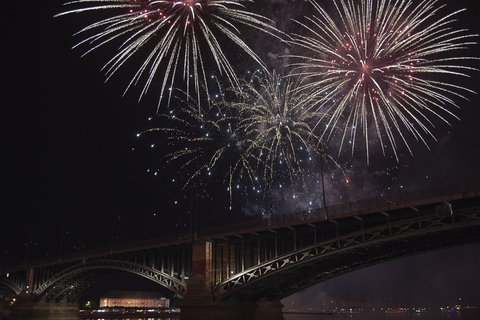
<point>385,68</point>
<point>171,34</point>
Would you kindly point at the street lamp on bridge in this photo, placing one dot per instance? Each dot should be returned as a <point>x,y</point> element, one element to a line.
<point>322,155</point>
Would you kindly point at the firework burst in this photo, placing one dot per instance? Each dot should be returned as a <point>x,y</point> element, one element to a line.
<point>171,34</point>
<point>382,70</point>
<point>276,120</point>
<point>255,140</point>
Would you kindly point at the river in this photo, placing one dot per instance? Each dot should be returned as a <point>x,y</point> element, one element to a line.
<point>472,314</point>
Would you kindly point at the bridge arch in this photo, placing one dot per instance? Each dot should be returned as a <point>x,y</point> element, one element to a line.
<point>7,287</point>
<point>287,274</point>
<point>70,283</point>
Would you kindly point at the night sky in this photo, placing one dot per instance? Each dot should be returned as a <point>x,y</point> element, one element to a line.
<point>73,175</point>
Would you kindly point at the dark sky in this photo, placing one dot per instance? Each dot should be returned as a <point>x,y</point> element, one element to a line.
<point>68,163</point>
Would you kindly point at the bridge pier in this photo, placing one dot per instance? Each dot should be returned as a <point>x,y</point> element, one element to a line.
<point>25,309</point>
<point>44,311</point>
<point>266,310</point>
<point>198,304</point>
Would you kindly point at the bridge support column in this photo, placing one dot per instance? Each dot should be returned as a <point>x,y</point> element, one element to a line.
<point>269,310</point>
<point>198,304</point>
<point>202,260</point>
<point>25,309</point>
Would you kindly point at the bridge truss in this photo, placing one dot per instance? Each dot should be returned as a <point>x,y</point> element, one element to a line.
<point>283,275</point>
<point>68,284</point>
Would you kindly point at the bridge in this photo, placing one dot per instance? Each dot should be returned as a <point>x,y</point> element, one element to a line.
<point>242,271</point>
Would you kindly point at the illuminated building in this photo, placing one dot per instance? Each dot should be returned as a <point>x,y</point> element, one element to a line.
<point>134,299</point>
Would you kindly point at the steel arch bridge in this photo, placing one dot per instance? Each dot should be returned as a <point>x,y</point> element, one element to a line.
<point>272,258</point>
<point>71,282</point>
<point>287,274</point>
<point>64,281</point>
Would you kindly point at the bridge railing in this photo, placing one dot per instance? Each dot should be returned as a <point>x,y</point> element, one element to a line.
<point>356,206</point>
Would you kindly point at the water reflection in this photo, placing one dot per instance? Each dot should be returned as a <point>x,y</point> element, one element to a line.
<point>473,314</point>
<point>130,319</point>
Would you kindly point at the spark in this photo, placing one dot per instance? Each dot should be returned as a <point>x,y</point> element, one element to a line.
<point>387,67</point>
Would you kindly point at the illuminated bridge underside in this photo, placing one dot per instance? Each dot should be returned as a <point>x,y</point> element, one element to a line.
<point>70,283</point>
<point>284,275</point>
